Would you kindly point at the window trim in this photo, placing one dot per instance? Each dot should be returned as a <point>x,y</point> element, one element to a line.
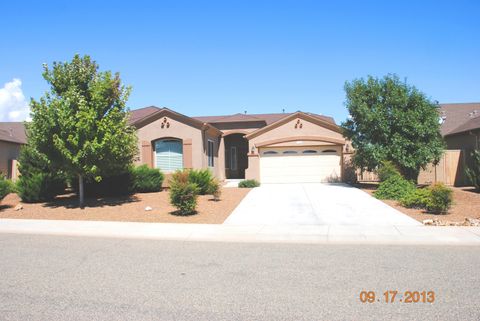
<point>166,140</point>
<point>210,153</point>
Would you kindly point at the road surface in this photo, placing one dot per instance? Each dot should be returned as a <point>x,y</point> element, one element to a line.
<point>79,278</point>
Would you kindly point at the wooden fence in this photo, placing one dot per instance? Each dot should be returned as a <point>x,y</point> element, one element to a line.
<point>450,170</point>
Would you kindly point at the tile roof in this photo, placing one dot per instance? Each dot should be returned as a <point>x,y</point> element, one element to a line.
<point>13,132</point>
<point>473,123</point>
<point>267,118</point>
<point>456,115</point>
<point>138,114</point>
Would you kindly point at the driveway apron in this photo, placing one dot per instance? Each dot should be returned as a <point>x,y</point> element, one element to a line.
<point>314,204</point>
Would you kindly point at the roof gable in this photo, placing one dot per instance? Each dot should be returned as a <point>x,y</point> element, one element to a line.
<point>301,115</point>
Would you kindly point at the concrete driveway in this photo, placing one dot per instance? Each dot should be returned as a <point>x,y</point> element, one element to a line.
<point>314,204</point>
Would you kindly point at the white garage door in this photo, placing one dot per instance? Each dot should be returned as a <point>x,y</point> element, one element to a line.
<point>300,164</point>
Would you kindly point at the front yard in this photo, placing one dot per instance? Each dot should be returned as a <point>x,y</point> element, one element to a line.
<point>128,208</point>
<point>466,204</point>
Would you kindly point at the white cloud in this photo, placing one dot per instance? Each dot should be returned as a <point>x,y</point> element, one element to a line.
<point>13,106</point>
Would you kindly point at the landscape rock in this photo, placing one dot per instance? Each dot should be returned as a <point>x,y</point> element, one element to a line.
<point>18,207</point>
<point>428,222</point>
<point>148,208</point>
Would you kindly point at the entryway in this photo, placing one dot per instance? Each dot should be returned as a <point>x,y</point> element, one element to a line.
<point>236,159</point>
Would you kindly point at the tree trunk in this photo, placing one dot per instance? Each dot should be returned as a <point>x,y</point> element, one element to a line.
<point>81,198</point>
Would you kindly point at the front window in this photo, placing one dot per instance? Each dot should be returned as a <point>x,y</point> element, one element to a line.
<point>169,155</point>
<point>210,149</point>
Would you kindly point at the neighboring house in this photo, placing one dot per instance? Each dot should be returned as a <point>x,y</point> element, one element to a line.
<point>272,148</point>
<point>12,137</point>
<point>461,125</point>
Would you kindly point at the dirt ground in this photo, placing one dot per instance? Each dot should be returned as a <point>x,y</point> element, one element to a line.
<point>466,204</point>
<point>129,208</point>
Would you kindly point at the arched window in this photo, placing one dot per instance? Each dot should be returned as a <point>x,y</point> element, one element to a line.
<point>290,152</point>
<point>169,154</point>
<point>309,151</point>
<point>329,151</point>
<point>270,152</point>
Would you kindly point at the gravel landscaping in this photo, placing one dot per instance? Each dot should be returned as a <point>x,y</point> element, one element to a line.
<point>129,208</point>
<point>466,206</point>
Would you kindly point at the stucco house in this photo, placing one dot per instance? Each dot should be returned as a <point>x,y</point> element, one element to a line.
<point>271,148</point>
<point>12,137</point>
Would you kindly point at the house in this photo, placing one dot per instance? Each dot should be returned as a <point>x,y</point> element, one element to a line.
<point>461,125</point>
<point>12,137</point>
<point>271,148</point>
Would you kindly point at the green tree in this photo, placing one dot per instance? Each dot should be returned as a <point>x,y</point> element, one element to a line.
<point>392,121</point>
<point>80,125</point>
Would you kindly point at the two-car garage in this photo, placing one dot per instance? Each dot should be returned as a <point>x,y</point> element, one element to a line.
<point>306,164</point>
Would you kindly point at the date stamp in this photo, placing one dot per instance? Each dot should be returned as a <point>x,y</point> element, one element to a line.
<point>395,296</point>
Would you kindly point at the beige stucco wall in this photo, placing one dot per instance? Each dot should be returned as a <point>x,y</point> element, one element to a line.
<point>176,129</point>
<point>196,139</point>
<point>8,151</point>
<point>288,130</point>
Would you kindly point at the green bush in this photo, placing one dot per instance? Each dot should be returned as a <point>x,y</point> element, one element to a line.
<point>440,199</point>
<point>248,183</point>
<point>473,172</point>
<point>183,194</point>
<point>146,179</point>
<point>419,198</point>
<point>40,187</point>
<point>202,178</point>
<point>214,189</point>
<point>114,185</point>
<point>5,187</point>
<point>387,170</point>
<point>38,181</point>
<point>394,188</point>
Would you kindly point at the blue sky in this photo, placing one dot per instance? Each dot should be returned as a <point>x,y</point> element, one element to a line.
<point>224,57</point>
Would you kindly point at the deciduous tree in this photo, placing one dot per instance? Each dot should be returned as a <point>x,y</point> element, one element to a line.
<point>80,124</point>
<point>392,121</point>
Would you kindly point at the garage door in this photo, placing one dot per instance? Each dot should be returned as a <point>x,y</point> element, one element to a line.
<point>300,164</point>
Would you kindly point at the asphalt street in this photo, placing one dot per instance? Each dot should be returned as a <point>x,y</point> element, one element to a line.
<point>80,278</point>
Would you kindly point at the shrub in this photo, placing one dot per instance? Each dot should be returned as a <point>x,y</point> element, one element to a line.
<point>473,172</point>
<point>419,198</point>
<point>147,179</point>
<point>440,199</point>
<point>114,185</point>
<point>5,187</point>
<point>183,194</point>
<point>39,187</point>
<point>38,181</point>
<point>202,178</point>
<point>394,188</point>
<point>214,189</point>
<point>387,170</point>
<point>248,183</point>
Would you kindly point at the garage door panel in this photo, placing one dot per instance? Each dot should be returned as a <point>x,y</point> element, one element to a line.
<point>299,168</point>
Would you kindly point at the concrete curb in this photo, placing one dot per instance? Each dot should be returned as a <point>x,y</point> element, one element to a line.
<point>313,234</point>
